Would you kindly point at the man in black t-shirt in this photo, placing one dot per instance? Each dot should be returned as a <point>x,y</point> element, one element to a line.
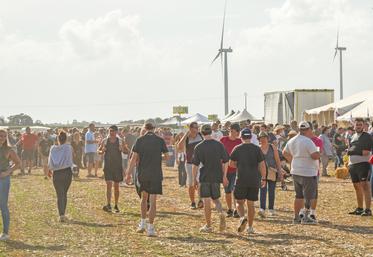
<point>147,156</point>
<point>251,175</point>
<point>359,167</point>
<point>214,159</point>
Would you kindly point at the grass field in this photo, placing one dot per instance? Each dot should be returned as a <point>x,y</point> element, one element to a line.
<point>92,232</point>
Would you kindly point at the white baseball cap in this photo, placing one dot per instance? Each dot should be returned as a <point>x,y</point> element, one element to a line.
<point>304,125</point>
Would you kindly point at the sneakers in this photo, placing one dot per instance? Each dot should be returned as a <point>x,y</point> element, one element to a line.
<point>242,226</point>
<point>107,208</point>
<point>205,229</point>
<point>271,213</point>
<point>235,214</point>
<point>116,209</point>
<point>222,224</point>
<point>141,228</point>
<point>4,237</point>
<point>307,220</point>
<point>261,213</point>
<point>151,230</point>
<point>357,211</point>
<point>366,213</point>
<point>63,219</point>
<point>229,213</point>
<point>193,206</point>
<point>200,204</point>
<point>250,230</point>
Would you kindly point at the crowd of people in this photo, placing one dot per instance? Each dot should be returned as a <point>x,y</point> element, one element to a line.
<point>248,159</point>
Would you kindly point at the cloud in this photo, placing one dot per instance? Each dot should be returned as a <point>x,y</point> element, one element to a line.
<point>103,37</point>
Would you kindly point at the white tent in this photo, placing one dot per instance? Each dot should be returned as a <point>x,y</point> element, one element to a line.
<point>357,105</point>
<point>36,129</point>
<point>232,116</point>
<point>242,116</point>
<point>228,116</point>
<point>199,118</point>
<point>172,121</point>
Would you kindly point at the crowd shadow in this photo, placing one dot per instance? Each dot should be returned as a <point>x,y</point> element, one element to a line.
<point>347,228</point>
<point>90,224</point>
<point>166,214</point>
<point>18,245</point>
<point>192,239</point>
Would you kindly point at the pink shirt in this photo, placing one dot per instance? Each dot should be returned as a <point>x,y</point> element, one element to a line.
<point>319,143</point>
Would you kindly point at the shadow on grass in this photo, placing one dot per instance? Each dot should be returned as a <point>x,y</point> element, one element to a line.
<point>166,214</point>
<point>273,239</point>
<point>84,180</point>
<point>191,239</point>
<point>350,229</point>
<point>25,246</point>
<point>90,224</point>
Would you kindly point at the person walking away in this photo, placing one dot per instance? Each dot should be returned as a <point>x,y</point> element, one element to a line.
<point>9,162</point>
<point>327,150</point>
<point>180,161</point>
<point>45,145</point>
<point>60,164</point>
<point>273,165</point>
<point>339,145</point>
<point>359,167</point>
<point>214,159</point>
<point>91,150</point>
<point>302,153</point>
<point>77,145</point>
<point>230,142</point>
<point>112,148</point>
<point>189,142</point>
<point>129,140</point>
<point>147,155</point>
<point>29,144</point>
<point>251,175</point>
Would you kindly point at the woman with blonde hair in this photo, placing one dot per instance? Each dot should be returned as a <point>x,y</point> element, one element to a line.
<point>7,156</point>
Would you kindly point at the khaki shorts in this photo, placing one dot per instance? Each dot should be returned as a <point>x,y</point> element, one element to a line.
<point>305,187</point>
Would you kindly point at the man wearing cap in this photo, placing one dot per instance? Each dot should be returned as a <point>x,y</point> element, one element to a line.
<point>304,158</point>
<point>230,142</point>
<point>112,148</point>
<point>147,155</point>
<point>251,175</point>
<point>214,159</point>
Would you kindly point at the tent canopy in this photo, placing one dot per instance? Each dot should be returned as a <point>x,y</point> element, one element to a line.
<point>357,105</point>
<point>228,116</point>
<point>242,116</point>
<point>172,121</point>
<point>199,118</point>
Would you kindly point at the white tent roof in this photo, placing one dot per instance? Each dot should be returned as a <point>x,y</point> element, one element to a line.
<point>242,116</point>
<point>199,118</point>
<point>228,116</point>
<point>232,116</point>
<point>36,129</point>
<point>346,105</point>
<point>172,121</point>
<point>363,110</point>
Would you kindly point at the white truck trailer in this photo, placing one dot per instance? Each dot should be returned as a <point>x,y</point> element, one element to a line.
<point>284,106</point>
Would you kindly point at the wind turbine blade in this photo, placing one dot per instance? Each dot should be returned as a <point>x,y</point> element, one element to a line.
<point>335,54</point>
<point>222,31</point>
<point>216,57</point>
<point>337,38</point>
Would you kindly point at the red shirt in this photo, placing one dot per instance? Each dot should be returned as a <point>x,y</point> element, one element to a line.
<point>229,146</point>
<point>29,141</point>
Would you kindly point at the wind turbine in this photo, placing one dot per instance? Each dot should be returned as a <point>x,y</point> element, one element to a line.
<point>340,49</point>
<point>223,54</point>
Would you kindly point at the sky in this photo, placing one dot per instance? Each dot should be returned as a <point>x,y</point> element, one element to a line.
<point>114,60</point>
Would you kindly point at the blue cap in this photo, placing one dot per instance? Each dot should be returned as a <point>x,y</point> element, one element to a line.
<point>246,133</point>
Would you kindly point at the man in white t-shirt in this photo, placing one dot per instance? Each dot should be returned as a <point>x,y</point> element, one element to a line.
<point>216,133</point>
<point>304,158</point>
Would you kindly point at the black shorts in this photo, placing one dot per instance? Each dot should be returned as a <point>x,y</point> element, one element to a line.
<point>246,193</point>
<point>28,155</point>
<point>113,175</point>
<point>359,172</point>
<point>150,187</point>
<point>209,190</point>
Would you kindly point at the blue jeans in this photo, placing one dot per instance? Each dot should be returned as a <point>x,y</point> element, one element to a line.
<point>4,194</point>
<point>270,187</point>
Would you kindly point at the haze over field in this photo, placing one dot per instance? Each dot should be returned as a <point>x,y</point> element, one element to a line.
<point>116,60</point>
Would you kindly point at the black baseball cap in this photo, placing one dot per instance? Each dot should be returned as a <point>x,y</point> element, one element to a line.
<point>246,133</point>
